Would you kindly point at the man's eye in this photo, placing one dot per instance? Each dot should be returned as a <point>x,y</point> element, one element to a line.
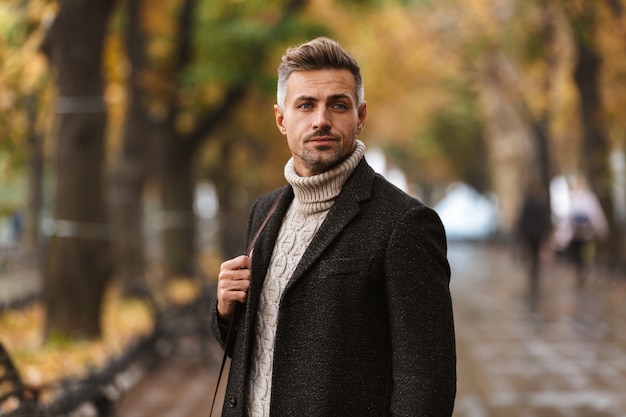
<point>305,106</point>
<point>340,106</point>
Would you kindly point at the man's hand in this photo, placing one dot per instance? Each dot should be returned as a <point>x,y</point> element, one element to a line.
<point>232,285</point>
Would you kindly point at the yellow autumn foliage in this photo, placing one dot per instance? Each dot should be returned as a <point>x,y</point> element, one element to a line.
<point>42,364</point>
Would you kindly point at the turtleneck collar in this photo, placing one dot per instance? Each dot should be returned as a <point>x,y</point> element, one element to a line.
<point>318,192</point>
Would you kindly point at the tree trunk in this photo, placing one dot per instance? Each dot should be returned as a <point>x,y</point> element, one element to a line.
<point>508,135</point>
<point>232,212</point>
<point>178,220</point>
<point>541,123</point>
<point>30,240</point>
<point>78,264</point>
<point>618,241</point>
<point>595,146</point>
<point>131,168</point>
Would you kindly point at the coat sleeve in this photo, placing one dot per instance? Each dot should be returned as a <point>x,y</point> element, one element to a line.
<point>421,320</point>
<point>219,327</point>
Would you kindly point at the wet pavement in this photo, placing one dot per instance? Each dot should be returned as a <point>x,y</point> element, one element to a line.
<point>566,358</point>
<point>180,387</point>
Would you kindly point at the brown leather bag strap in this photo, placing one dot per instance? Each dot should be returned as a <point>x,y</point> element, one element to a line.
<point>267,219</point>
<point>230,338</point>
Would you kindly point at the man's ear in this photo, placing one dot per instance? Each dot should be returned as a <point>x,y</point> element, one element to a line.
<point>280,119</point>
<point>362,116</point>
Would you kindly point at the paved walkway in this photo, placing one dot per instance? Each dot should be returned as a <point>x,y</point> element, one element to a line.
<point>182,386</point>
<point>566,359</point>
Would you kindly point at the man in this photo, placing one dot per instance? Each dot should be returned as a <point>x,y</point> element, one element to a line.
<point>533,228</point>
<point>347,305</point>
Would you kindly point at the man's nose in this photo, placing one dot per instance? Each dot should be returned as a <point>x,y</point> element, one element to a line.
<point>322,119</point>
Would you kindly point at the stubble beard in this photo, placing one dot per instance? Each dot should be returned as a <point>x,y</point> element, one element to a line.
<point>322,159</point>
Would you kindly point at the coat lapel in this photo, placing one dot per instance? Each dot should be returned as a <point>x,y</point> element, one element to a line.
<point>347,205</point>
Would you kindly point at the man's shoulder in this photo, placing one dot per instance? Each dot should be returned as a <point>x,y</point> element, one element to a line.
<point>371,186</point>
<point>384,190</point>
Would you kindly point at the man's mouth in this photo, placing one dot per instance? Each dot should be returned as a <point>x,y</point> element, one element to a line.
<point>322,139</point>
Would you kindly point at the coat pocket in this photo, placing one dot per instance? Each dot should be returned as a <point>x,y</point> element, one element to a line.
<point>354,279</point>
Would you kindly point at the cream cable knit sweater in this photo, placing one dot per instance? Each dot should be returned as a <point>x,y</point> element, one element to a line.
<point>314,196</point>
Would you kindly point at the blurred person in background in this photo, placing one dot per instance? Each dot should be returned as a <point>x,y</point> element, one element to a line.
<point>586,225</point>
<point>534,227</point>
<point>347,303</point>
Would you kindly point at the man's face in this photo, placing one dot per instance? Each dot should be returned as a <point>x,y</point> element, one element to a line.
<point>321,119</point>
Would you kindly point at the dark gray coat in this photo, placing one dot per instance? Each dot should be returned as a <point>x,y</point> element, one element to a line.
<point>365,325</point>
